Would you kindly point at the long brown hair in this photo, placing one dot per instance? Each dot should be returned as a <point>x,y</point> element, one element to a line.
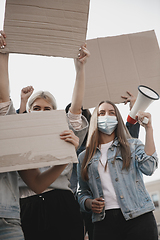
<point>93,141</point>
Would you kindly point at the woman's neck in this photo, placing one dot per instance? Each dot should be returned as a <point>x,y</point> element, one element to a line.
<point>104,138</point>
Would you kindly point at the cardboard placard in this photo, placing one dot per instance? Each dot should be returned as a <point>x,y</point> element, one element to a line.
<point>119,64</point>
<point>50,27</point>
<point>32,141</point>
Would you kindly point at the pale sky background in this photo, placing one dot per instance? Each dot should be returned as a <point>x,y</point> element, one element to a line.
<point>57,75</point>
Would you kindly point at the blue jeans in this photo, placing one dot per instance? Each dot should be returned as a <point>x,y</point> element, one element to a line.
<point>10,229</point>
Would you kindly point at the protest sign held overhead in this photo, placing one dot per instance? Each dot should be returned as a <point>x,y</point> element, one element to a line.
<point>49,28</point>
<point>121,63</point>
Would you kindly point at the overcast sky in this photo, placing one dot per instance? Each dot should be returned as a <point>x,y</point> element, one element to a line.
<point>106,18</point>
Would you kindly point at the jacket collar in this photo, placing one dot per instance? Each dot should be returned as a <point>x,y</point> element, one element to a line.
<point>116,142</point>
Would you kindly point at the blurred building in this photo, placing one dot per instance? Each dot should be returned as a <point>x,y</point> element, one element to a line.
<point>154,190</point>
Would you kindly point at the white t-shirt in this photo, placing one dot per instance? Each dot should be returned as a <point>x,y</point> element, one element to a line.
<point>107,186</point>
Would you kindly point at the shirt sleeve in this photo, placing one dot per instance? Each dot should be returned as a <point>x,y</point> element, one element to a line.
<point>81,128</point>
<point>75,120</point>
<point>4,106</point>
<point>133,129</point>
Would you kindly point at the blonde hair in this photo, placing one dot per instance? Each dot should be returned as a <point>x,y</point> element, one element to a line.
<point>44,95</point>
<point>93,141</point>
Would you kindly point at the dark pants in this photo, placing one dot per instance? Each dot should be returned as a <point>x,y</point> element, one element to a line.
<point>87,217</point>
<point>115,227</point>
<point>51,215</point>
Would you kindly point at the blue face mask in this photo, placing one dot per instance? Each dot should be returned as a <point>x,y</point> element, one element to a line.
<point>107,124</point>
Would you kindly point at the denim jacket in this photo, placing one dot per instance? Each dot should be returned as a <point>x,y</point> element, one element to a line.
<point>9,196</point>
<point>129,187</point>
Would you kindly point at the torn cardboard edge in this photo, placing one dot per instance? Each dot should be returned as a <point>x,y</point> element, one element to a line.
<point>121,63</point>
<point>32,141</point>
<point>55,162</point>
<point>49,28</point>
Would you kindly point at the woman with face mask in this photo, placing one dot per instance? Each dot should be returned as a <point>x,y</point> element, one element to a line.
<point>110,177</point>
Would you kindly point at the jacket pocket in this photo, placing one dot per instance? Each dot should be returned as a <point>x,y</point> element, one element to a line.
<point>119,163</point>
<point>141,192</point>
<point>94,179</point>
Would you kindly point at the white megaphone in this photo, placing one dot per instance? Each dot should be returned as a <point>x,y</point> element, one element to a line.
<point>145,97</point>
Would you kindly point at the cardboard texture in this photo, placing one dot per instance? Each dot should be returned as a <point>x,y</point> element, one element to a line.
<point>119,64</point>
<point>50,27</point>
<point>32,141</point>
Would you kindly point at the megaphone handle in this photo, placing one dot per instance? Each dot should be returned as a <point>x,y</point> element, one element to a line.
<point>145,120</point>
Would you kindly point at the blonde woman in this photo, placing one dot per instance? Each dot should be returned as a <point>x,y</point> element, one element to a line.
<point>47,211</point>
<point>110,177</point>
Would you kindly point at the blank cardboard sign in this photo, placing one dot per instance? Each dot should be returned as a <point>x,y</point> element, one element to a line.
<point>121,63</point>
<point>50,27</point>
<point>32,141</point>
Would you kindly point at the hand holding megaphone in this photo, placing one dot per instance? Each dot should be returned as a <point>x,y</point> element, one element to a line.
<point>145,97</point>
<point>143,118</point>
